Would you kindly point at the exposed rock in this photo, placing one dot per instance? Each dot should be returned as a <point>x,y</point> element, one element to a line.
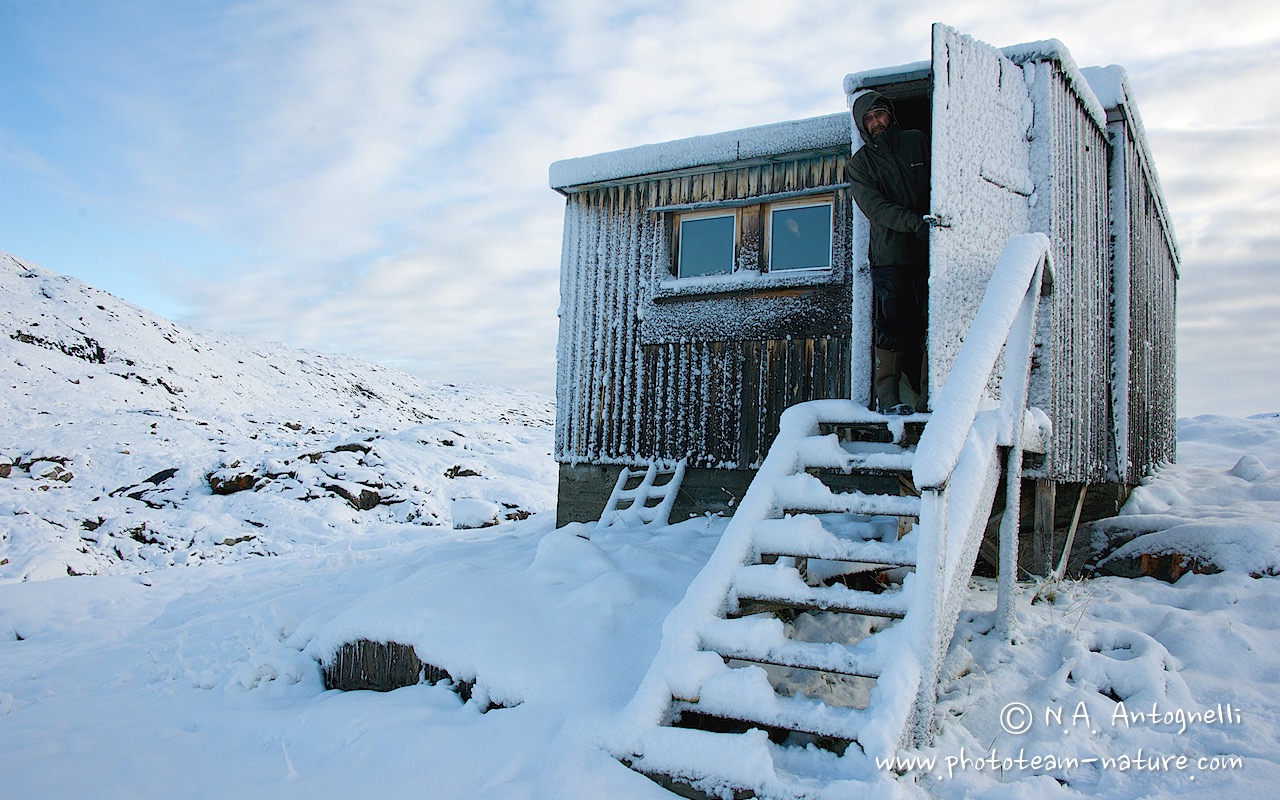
<point>88,349</point>
<point>141,491</point>
<point>363,501</point>
<point>1168,567</point>
<point>161,476</point>
<point>352,447</point>
<point>50,469</point>
<point>231,479</point>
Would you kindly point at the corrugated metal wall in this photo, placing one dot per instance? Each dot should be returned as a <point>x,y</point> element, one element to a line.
<point>623,397</point>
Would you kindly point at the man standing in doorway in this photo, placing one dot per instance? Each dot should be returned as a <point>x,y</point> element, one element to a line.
<point>889,175</point>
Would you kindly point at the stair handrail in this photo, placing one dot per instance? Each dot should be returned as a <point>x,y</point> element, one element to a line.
<point>961,444</point>
<point>1023,270</point>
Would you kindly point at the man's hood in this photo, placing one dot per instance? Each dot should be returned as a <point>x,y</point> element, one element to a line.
<point>865,103</point>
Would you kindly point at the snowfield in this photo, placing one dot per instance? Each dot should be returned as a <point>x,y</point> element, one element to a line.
<point>132,444</point>
<point>159,640</point>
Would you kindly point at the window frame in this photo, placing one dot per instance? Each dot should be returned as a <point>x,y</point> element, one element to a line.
<point>690,216</point>
<point>827,201</point>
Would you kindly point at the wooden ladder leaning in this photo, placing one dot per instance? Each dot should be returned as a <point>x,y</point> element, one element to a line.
<point>642,497</point>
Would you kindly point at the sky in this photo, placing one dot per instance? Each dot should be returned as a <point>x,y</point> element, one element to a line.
<point>370,176</point>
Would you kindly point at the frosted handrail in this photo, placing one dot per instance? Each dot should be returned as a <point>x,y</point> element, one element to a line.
<point>957,404</point>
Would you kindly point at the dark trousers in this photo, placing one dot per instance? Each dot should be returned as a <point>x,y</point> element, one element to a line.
<point>901,295</point>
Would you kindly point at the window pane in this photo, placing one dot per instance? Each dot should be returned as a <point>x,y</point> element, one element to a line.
<point>801,238</point>
<point>706,246</point>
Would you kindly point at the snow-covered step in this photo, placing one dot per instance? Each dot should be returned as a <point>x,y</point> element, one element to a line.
<point>709,762</point>
<point>762,641</point>
<point>804,536</point>
<point>744,695</point>
<point>805,493</point>
<point>891,429</point>
<point>844,527</point>
<point>764,587</point>
<point>870,464</point>
<point>748,765</point>
<point>884,528</point>
<point>795,714</point>
<point>693,763</point>
<point>828,452</point>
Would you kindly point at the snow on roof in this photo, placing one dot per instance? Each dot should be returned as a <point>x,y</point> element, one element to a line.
<point>1054,50</point>
<point>761,142</point>
<point>870,78</point>
<point>1110,85</point>
<point>1044,50</point>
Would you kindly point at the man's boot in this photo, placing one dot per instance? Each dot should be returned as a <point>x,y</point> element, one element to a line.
<point>911,364</point>
<point>886,382</point>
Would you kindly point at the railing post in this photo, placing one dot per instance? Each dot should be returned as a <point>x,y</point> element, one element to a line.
<point>930,598</point>
<point>1014,385</point>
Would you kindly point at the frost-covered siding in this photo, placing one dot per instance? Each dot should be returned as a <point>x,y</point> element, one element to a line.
<point>653,368</point>
<point>1072,379</point>
<point>740,390</point>
<point>1152,271</point>
<point>1146,347</point>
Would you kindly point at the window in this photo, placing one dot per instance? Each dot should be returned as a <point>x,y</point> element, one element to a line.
<point>800,236</point>
<point>707,244</point>
<point>745,239</point>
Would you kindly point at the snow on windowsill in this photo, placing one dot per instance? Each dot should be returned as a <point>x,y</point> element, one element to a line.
<point>744,281</point>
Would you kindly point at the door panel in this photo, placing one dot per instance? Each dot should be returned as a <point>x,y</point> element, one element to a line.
<point>981,182</point>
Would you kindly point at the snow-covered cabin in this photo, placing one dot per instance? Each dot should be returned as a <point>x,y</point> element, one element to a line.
<point>709,283</point>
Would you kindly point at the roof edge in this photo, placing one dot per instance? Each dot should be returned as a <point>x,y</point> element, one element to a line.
<point>1110,84</point>
<point>759,142</point>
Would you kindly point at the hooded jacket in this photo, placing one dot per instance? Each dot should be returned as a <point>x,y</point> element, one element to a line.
<point>889,178</point>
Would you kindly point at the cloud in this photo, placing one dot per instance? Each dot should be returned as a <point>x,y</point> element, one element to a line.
<point>378,169</point>
<point>1229,335</point>
<point>443,137</point>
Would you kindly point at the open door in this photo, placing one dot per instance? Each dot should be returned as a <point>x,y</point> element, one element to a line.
<point>981,182</point>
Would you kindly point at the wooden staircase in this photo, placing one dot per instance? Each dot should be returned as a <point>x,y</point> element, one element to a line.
<point>840,541</point>
<point>808,650</point>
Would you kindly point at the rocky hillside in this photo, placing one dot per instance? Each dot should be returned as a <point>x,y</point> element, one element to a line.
<point>129,442</point>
